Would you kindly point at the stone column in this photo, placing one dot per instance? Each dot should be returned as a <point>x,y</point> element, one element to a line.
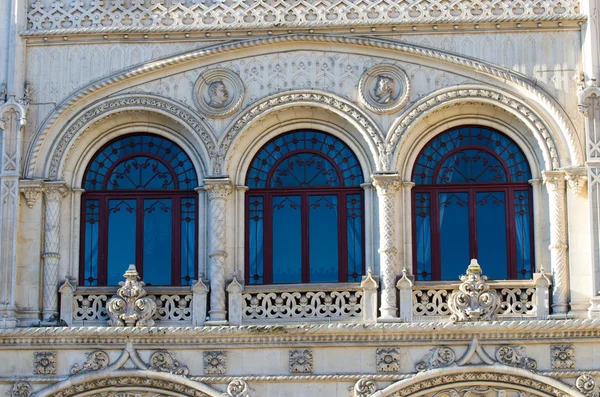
<point>589,106</point>
<point>53,192</point>
<point>12,119</point>
<point>387,186</point>
<point>218,190</point>
<point>555,184</point>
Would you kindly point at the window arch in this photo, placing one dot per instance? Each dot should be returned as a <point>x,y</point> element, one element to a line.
<point>304,211</point>
<point>140,207</point>
<point>472,199</point>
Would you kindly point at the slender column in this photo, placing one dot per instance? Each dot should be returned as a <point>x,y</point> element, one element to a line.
<point>53,192</point>
<point>407,261</point>
<point>555,184</point>
<point>218,190</point>
<point>387,186</point>
<point>589,106</point>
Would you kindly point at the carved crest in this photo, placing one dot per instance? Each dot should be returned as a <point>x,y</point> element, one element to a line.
<point>474,300</point>
<point>130,306</point>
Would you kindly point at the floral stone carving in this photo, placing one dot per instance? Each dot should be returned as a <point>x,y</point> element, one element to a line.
<point>21,389</point>
<point>44,363</point>
<point>474,300</point>
<point>563,356</point>
<point>218,93</point>
<point>301,361</point>
<point>384,89</point>
<point>96,360</point>
<point>515,357</point>
<point>586,384</point>
<point>164,361</point>
<point>436,358</point>
<point>364,387</point>
<point>130,306</point>
<point>388,360</point>
<point>215,362</point>
<point>238,388</point>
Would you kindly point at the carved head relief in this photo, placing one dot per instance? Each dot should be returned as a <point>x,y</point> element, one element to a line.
<point>384,89</point>
<point>218,93</point>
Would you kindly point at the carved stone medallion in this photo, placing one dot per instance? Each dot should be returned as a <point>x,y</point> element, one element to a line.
<point>384,89</point>
<point>218,93</point>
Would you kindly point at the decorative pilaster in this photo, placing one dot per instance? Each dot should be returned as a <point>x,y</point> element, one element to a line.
<point>387,186</point>
<point>589,106</point>
<point>555,184</point>
<point>12,119</point>
<point>53,193</point>
<point>218,190</point>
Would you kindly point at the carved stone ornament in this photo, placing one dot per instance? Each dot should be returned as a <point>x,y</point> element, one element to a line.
<point>301,361</point>
<point>563,356</point>
<point>586,384</point>
<point>364,387</point>
<point>31,194</point>
<point>44,363</point>
<point>576,180</point>
<point>130,306</point>
<point>474,300</point>
<point>96,360</point>
<point>515,357</point>
<point>437,357</point>
<point>215,362</point>
<point>384,89</point>
<point>164,361</point>
<point>218,93</point>
<point>21,389</point>
<point>388,360</point>
<point>238,388</point>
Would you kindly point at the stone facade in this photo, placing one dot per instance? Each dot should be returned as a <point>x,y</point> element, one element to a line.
<point>221,80</point>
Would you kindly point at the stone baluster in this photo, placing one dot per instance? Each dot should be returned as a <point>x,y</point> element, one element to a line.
<point>555,184</point>
<point>12,120</point>
<point>218,190</point>
<point>387,186</point>
<point>53,192</point>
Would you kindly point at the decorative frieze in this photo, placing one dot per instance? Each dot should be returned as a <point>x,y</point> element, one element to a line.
<point>474,300</point>
<point>388,360</point>
<point>130,306</point>
<point>44,363</point>
<point>563,356</point>
<point>215,362</point>
<point>301,361</point>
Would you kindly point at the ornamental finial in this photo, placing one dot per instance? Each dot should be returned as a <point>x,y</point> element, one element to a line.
<point>474,300</point>
<point>130,306</point>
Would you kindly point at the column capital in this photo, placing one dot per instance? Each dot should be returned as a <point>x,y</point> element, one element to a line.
<point>32,190</point>
<point>54,191</point>
<point>218,188</point>
<point>576,179</point>
<point>386,184</point>
<point>554,180</point>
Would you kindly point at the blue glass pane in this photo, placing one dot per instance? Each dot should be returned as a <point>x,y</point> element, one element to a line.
<point>121,238</point>
<point>188,240</point>
<point>331,148</point>
<point>354,237</point>
<point>304,170</point>
<point>158,241</point>
<point>499,144</point>
<point>491,234</point>
<point>287,239</point>
<point>140,173</point>
<point>90,254</point>
<point>523,234</point>
<point>323,238</point>
<point>151,146</point>
<point>454,234</point>
<point>471,166</point>
<point>256,239</point>
<point>423,235</point>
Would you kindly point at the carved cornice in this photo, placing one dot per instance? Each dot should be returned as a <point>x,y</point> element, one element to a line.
<point>71,18</point>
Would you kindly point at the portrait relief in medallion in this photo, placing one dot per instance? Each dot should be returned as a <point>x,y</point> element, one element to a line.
<point>384,89</point>
<point>218,93</point>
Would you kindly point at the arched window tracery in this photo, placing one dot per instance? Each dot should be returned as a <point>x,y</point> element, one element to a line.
<point>140,207</point>
<point>472,199</point>
<point>304,211</point>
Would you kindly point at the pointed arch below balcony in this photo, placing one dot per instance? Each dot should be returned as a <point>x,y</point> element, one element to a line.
<point>480,380</point>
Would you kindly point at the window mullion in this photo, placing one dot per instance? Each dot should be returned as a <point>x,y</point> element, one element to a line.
<point>139,241</point>
<point>304,207</point>
<point>176,240</point>
<point>473,248</point>
<point>103,243</point>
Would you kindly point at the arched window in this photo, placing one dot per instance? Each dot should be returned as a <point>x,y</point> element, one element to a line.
<point>304,211</point>
<point>472,199</point>
<point>140,207</point>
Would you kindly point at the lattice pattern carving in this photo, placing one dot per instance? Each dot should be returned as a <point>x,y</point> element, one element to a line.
<point>185,15</point>
<point>264,305</point>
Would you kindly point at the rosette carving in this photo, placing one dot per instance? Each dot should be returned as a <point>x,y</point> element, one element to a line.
<point>586,384</point>
<point>238,388</point>
<point>474,300</point>
<point>130,306</point>
<point>364,387</point>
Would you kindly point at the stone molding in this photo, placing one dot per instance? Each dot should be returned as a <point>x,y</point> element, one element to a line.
<point>67,18</point>
<point>496,72</point>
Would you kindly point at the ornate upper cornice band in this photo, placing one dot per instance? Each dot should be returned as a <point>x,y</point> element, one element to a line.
<point>45,17</point>
<point>506,75</point>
